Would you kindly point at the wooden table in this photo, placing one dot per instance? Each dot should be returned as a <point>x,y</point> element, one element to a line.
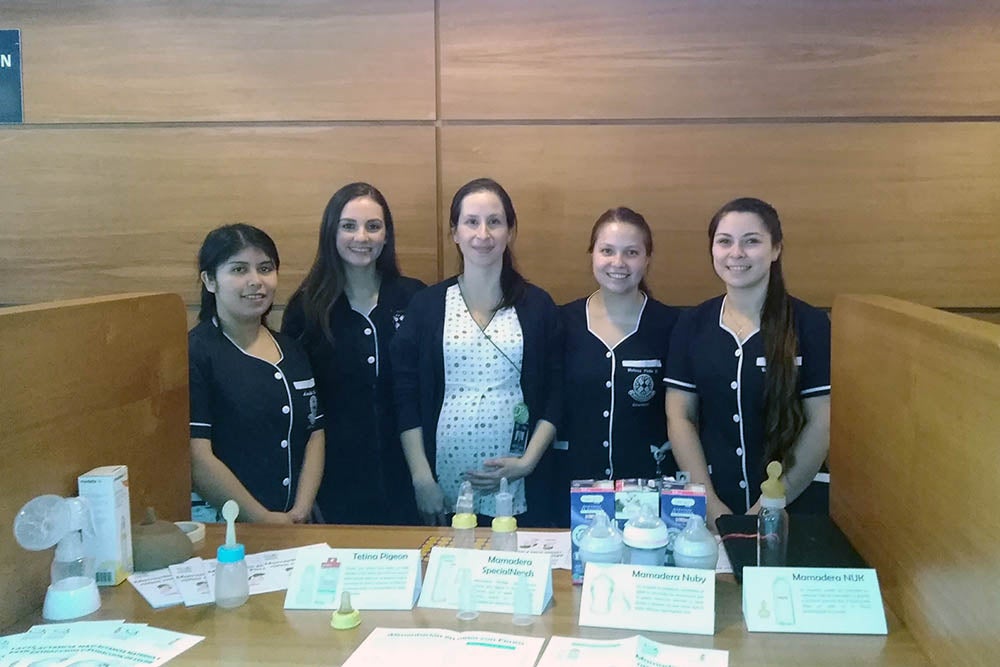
<point>261,632</point>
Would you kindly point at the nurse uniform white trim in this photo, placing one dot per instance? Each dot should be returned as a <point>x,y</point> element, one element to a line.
<point>374,334</point>
<point>610,470</point>
<point>739,396</point>
<point>279,375</point>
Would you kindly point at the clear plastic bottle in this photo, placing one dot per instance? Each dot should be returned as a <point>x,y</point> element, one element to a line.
<point>695,547</point>
<point>646,537</point>
<point>232,585</point>
<point>601,542</point>
<point>772,520</point>
<point>504,536</point>
<point>463,524</point>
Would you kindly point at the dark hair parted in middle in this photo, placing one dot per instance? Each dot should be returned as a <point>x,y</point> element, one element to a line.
<point>511,282</point>
<point>325,281</point>
<point>626,216</point>
<point>784,417</point>
<point>222,243</point>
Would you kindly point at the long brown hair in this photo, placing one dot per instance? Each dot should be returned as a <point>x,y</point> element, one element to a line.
<point>326,280</point>
<point>784,417</point>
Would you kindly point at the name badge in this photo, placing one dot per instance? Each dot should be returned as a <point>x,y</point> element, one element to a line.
<point>642,363</point>
<point>761,361</point>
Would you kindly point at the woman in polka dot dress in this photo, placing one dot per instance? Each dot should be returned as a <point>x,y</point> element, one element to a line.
<point>478,371</point>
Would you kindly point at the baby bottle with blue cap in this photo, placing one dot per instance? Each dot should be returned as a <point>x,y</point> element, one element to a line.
<point>232,585</point>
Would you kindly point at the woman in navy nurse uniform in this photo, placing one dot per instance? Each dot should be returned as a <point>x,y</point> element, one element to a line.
<point>256,426</point>
<point>614,424</point>
<point>345,313</point>
<point>748,374</point>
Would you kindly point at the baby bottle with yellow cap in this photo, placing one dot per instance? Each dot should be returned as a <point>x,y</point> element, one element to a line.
<point>463,523</point>
<point>772,520</point>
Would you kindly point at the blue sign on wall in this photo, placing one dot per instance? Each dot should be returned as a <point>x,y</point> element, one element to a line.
<point>11,103</point>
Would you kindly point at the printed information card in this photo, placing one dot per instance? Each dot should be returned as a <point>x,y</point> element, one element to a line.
<point>820,600</point>
<point>647,597</point>
<point>636,651</point>
<point>375,578</point>
<point>433,646</point>
<point>493,574</point>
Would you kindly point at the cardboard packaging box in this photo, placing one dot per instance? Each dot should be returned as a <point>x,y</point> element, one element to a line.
<point>633,494</point>
<point>106,491</point>
<point>587,496</point>
<point>679,500</point>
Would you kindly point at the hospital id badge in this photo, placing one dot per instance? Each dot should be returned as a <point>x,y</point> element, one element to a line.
<point>519,437</point>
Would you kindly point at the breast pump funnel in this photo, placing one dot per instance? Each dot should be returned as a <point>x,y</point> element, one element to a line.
<point>48,521</point>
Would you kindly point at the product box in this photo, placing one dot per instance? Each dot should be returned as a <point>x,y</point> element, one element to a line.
<point>587,496</point>
<point>679,500</point>
<point>106,492</point>
<point>631,495</point>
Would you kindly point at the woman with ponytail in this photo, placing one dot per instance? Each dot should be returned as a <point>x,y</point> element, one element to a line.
<point>614,425</point>
<point>478,371</point>
<point>748,376</point>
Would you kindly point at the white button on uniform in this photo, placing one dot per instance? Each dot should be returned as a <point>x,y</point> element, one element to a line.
<point>736,418</point>
<point>733,384</point>
<point>371,360</point>
<point>286,482</point>
<point>606,413</point>
<point>608,384</point>
<point>368,331</point>
<point>285,410</point>
<point>739,451</point>
<point>605,443</point>
<point>743,484</point>
<point>607,355</point>
<point>607,471</point>
<point>284,444</point>
<point>736,353</point>
<point>277,375</point>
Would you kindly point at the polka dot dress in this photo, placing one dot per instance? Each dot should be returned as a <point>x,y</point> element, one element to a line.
<point>481,389</point>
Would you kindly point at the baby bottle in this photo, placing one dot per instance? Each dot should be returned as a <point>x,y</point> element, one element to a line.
<point>646,538</point>
<point>232,586</point>
<point>695,546</point>
<point>601,542</point>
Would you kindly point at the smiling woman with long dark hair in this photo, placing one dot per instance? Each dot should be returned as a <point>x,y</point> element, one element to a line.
<point>345,313</point>
<point>748,374</point>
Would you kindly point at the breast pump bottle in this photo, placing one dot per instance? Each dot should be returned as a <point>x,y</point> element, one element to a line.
<point>772,520</point>
<point>504,536</point>
<point>463,524</point>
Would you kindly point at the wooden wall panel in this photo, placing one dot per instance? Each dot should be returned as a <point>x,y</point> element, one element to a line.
<point>99,211</point>
<point>906,209</point>
<point>190,60</point>
<point>531,59</point>
<point>914,466</point>
<point>84,384</point>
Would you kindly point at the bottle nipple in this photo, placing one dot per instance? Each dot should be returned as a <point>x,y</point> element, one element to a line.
<point>346,617</point>
<point>773,487</point>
